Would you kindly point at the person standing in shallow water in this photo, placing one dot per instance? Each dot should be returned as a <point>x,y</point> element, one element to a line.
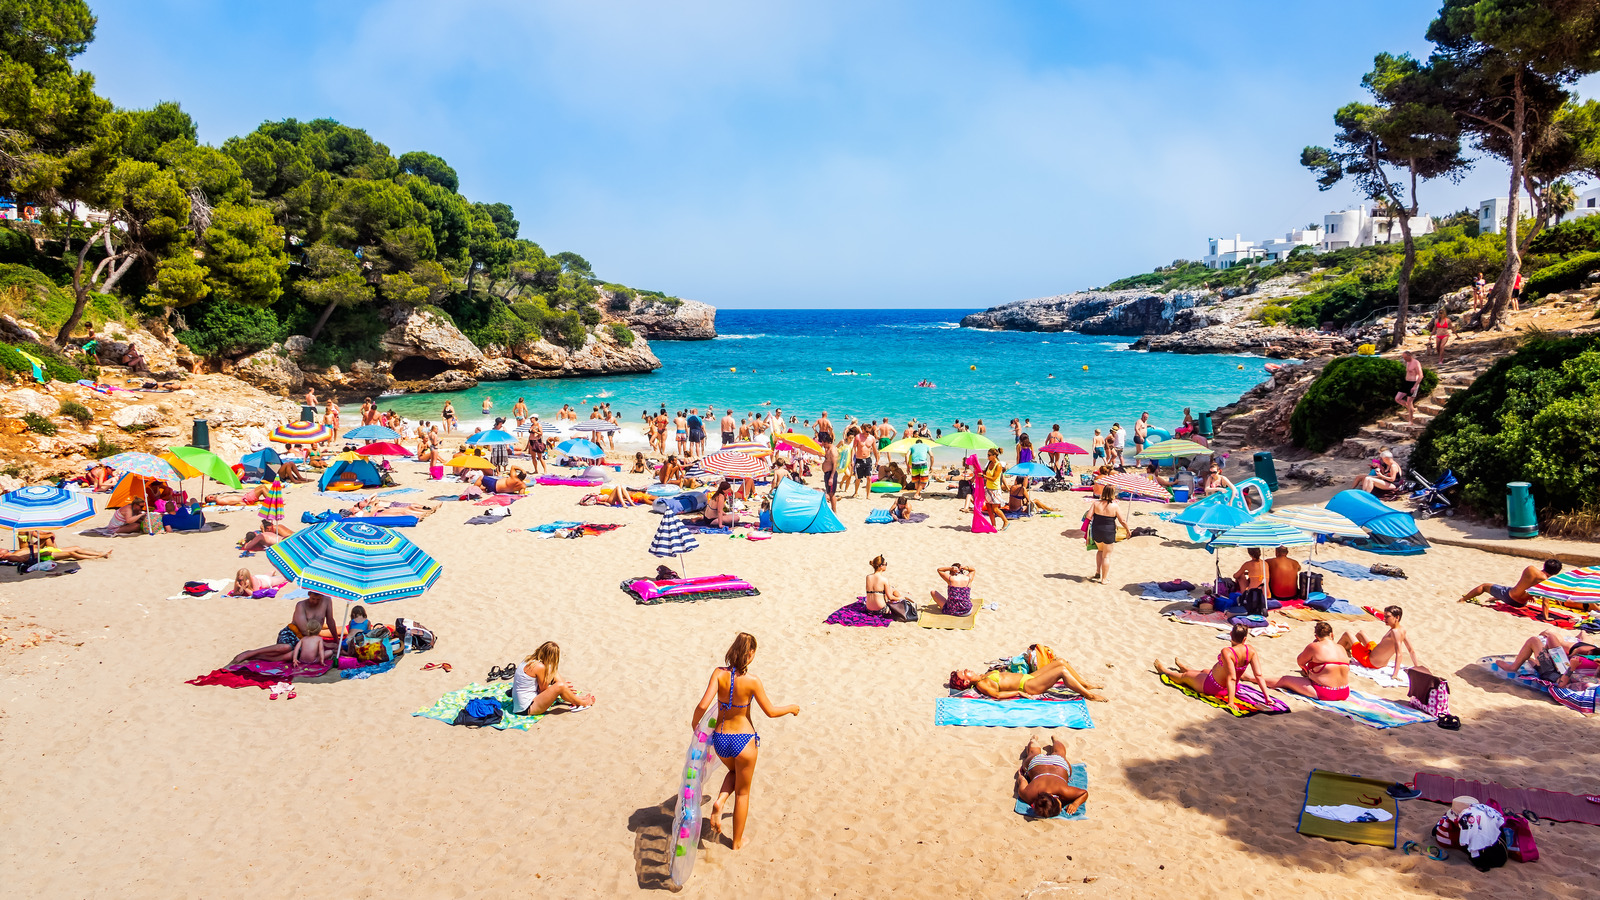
<point>732,688</point>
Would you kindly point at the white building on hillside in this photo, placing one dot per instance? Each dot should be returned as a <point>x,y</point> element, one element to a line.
<point>1226,253</point>
<point>1360,228</point>
<point>1588,204</point>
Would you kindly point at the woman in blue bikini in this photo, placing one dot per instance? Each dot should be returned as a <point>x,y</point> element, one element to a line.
<point>735,739</point>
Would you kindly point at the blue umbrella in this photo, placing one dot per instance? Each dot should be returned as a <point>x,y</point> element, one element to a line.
<point>583,449</point>
<point>1030,470</point>
<point>358,561</point>
<point>43,507</point>
<point>372,433</point>
<point>490,437</point>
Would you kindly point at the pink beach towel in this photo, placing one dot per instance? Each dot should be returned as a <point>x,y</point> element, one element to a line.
<point>1553,805</point>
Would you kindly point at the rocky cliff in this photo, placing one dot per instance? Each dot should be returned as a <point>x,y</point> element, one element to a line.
<point>1100,312</point>
<point>660,319</point>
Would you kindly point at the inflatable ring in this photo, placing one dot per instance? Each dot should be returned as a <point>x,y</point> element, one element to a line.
<point>885,487</point>
<point>345,486</point>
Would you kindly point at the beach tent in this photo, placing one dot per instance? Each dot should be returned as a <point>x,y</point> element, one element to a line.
<point>256,464</point>
<point>1392,531</point>
<point>361,469</point>
<point>798,509</point>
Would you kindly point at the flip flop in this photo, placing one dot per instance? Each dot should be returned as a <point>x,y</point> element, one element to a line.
<point>494,674</point>
<point>444,666</point>
<point>509,671</point>
<point>1531,816</point>
<point>1408,846</point>
<point>1437,854</point>
<point>430,666</point>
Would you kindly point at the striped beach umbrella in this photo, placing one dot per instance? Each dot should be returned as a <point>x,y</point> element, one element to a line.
<point>673,539</point>
<point>1572,586</point>
<point>1172,450</point>
<point>1137,485</point>
<point>750,447</point>
<point>372,433</point>
<point>43,507</point>
<point>1263,532</point>
<point>360,562</point>
<point>798,442</point>
<point>491,437</point>
<point>144,465</point>
<point>1063,447</point>
<point>1317,520</point>
<point>301,432</point>
<point>733,464</point>
<point>271,505</point>
<point>596,426</point>
<point>581,448</point>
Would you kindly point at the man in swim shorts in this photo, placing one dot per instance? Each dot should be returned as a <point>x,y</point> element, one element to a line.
<point>1517,594</point>
<point>1381,653</point>
<point>729,426</point>
<point>885,437</point>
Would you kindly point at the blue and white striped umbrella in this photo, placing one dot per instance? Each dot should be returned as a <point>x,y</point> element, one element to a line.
<point>672,538</point>
<point>1263,532</point>
<point>372,433</point>
<point>43,507</point>
<point>490,437</point>
<point>596,426</point>
<point>583,449</point>
<point>355,560</point>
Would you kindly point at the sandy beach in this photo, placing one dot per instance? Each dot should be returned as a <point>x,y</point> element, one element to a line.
<point>122,780</point>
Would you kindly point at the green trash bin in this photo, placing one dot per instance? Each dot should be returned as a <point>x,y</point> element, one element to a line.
<point>201,436</point>
<point>308,413</point>
<point>1205,424</point>
<point>1521,520</point>
<point>1266,469</point>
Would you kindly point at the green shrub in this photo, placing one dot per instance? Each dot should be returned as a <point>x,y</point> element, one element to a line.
<point>72,409</point>
<point>1533,416</point>
<point>590,315</point>
<point>48,305</point>
<point>622,333</point>
<point>1578,236</point>
<point>38,424</point>
<point>56,368</point>
<point>568,330</point>
<point>1564,275</point>
<point>103,448</point>
<point>224,328</point>
<point>1351,391</point>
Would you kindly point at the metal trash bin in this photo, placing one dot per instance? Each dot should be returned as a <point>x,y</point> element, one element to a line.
<point>308,413</point>
<point>1205,424</point>
<point>1521,520</point>
<point>1266,469</point>
<point>201,436</point>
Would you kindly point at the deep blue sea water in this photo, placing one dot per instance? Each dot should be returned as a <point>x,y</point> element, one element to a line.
<point>784,356</point>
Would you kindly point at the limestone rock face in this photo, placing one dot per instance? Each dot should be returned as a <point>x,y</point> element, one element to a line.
<point>1129,312</point>
<point>273,369</point>
<point>21,401</point>
<point>140,414</point>
<point>424,333</point>
<point>601,354</point>
<point>690,320</point>
<point>1275,342</point>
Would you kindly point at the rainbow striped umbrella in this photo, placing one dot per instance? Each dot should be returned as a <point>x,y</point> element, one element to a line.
<point>271,505</point>
<point>301,432</point>
<point>1173,449</point>
<point>1137,485</point>
<point>352,559</point>
<point>733,464</point>
<point>1572,586</point>
<point>1317,520</point>
<point>144,465</point>
<point>749,447</point>
<point>43,507</point>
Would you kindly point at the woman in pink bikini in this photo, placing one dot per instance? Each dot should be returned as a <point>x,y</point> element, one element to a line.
<point>1222,682</point>
<point>1324,667</point>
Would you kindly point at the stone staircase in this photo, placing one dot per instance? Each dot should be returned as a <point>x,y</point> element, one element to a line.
<point>1394,432</point>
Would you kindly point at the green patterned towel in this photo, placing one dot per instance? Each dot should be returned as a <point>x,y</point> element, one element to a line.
<point>446,707</point>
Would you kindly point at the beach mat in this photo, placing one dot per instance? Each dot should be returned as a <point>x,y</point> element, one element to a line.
<point>1369,710</point>
<point>1079,779</point>
<point>1578,701</point>
<point>1249,693</point>
<point>1555,806</point>
<point>929,617</point>
<point>1305,614</point>
<point>447,707</point>
<point>1333,789</point>
<point>856,615</point>
<point>9,574</point>
<point>1351,570</point>
<point>1018,713</point>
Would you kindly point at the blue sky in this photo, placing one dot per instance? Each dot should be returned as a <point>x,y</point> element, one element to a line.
<point>813,154</point>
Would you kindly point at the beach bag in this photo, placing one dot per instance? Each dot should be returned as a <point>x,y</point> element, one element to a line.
<point>1551,664</point>
<point>413,635</point>
<point>1428,692</point>
<point>478,712</point>
<point>1310,583</point>
<point>1225,586</point>
<point>903,610</point>
<point>1517,834</point>
<point>1254,601</point>
<point>1447,833</point>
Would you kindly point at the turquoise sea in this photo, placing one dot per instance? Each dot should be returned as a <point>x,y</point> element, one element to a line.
<point>784,356</point>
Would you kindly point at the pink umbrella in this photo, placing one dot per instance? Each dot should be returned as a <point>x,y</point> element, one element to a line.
<point>383,448</point>
<point>1063,447</point>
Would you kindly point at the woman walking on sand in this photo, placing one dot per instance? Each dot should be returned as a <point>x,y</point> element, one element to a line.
<point>1104,517</point>
<point>735,741</point>
<point>1441,332</point>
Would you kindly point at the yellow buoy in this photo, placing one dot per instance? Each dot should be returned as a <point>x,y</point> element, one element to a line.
<point>973,368</point>
<point>732,369</point>
<point>830,368</point>
<point>1086,368</point>
<point>1241,367</point>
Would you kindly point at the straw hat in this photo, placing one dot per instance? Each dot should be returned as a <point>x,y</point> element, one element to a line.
<point>1460,804</point>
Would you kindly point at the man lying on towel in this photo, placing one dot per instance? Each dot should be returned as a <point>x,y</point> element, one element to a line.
<point>1042,780</point>
<point>1003,685</point>
<point>1517,594</point>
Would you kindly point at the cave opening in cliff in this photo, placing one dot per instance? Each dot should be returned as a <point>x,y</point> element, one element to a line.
<point>418,368</point>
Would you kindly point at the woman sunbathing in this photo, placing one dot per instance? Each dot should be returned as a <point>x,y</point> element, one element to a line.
<point>1324,668</point>
<point>535,686</point>
<point>1042,780</point>
<point>1532,647</point>
<point>880,593</point>
<point>257,540</point>
<point>1222,681</point>
<point>32,544</point>
<point>248,498</point>
<point>616,496</point>
<point>246,584</point>
<point>958,585</point>
<point>1002,685</point>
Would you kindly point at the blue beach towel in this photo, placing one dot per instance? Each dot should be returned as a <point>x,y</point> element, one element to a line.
<point>1079,779</point>
<point>1153,591</point>
<point>1018,713</point>
<point>1350,570</point>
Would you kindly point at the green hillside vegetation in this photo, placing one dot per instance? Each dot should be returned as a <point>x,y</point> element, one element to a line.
<point>299,227</point>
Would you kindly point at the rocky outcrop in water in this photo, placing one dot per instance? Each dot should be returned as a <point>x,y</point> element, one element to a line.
<point>1275,342</point>
<point>688,320</point>
<point>1129,312</point>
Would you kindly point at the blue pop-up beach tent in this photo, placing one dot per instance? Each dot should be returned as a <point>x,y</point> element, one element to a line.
<point>260,464</point>
<point>801,510</point>
<point>360,469</point>
<point>1392,530</point>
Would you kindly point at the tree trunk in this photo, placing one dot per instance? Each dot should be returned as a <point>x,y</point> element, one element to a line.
<point>80,291</point>
<point>321,321</point>
<point>472,271</point>
<point>1508,275</point>
<point>1406,264</point>
<point>1539,202</point>
<point>116,274</point>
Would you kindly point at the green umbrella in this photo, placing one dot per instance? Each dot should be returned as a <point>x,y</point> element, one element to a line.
<point>192,461</point>
<point>1173,449</point>
<point>968,440</point>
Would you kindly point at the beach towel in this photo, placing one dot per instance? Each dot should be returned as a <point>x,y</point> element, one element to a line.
<point>403,490</point>
<point>930,617</point>
<point>1577,701</point>
<point>1333,795</point>
<point>489,519</point>
<point>1153,591</point>
<point>9,574</point>
<point>1079,779</point>
<point>1247,694</point>
<point>447,707</point>
<point>1552,805</point>
<point>214,585</point>
<point>705,587</point>
<point>1382,676</point>
<point>1222,622</point>
<point>1304,614</point>
<point>1368,710</point>
<point>364,672</point>
<point>1558,617</point>
<point>498,500</point>
<point>857,615</point>
<point>1022,712</point>
<point>280,671</point>
<point>980,523</point>
<point>240,679</point>
<point>1350,570</point>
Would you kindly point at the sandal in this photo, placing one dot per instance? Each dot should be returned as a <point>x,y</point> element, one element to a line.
<point>509,671</point>
<point>1450,723</point>
<point>494,674</point>
<point>1408,846</point>
<point>1437,854</point>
